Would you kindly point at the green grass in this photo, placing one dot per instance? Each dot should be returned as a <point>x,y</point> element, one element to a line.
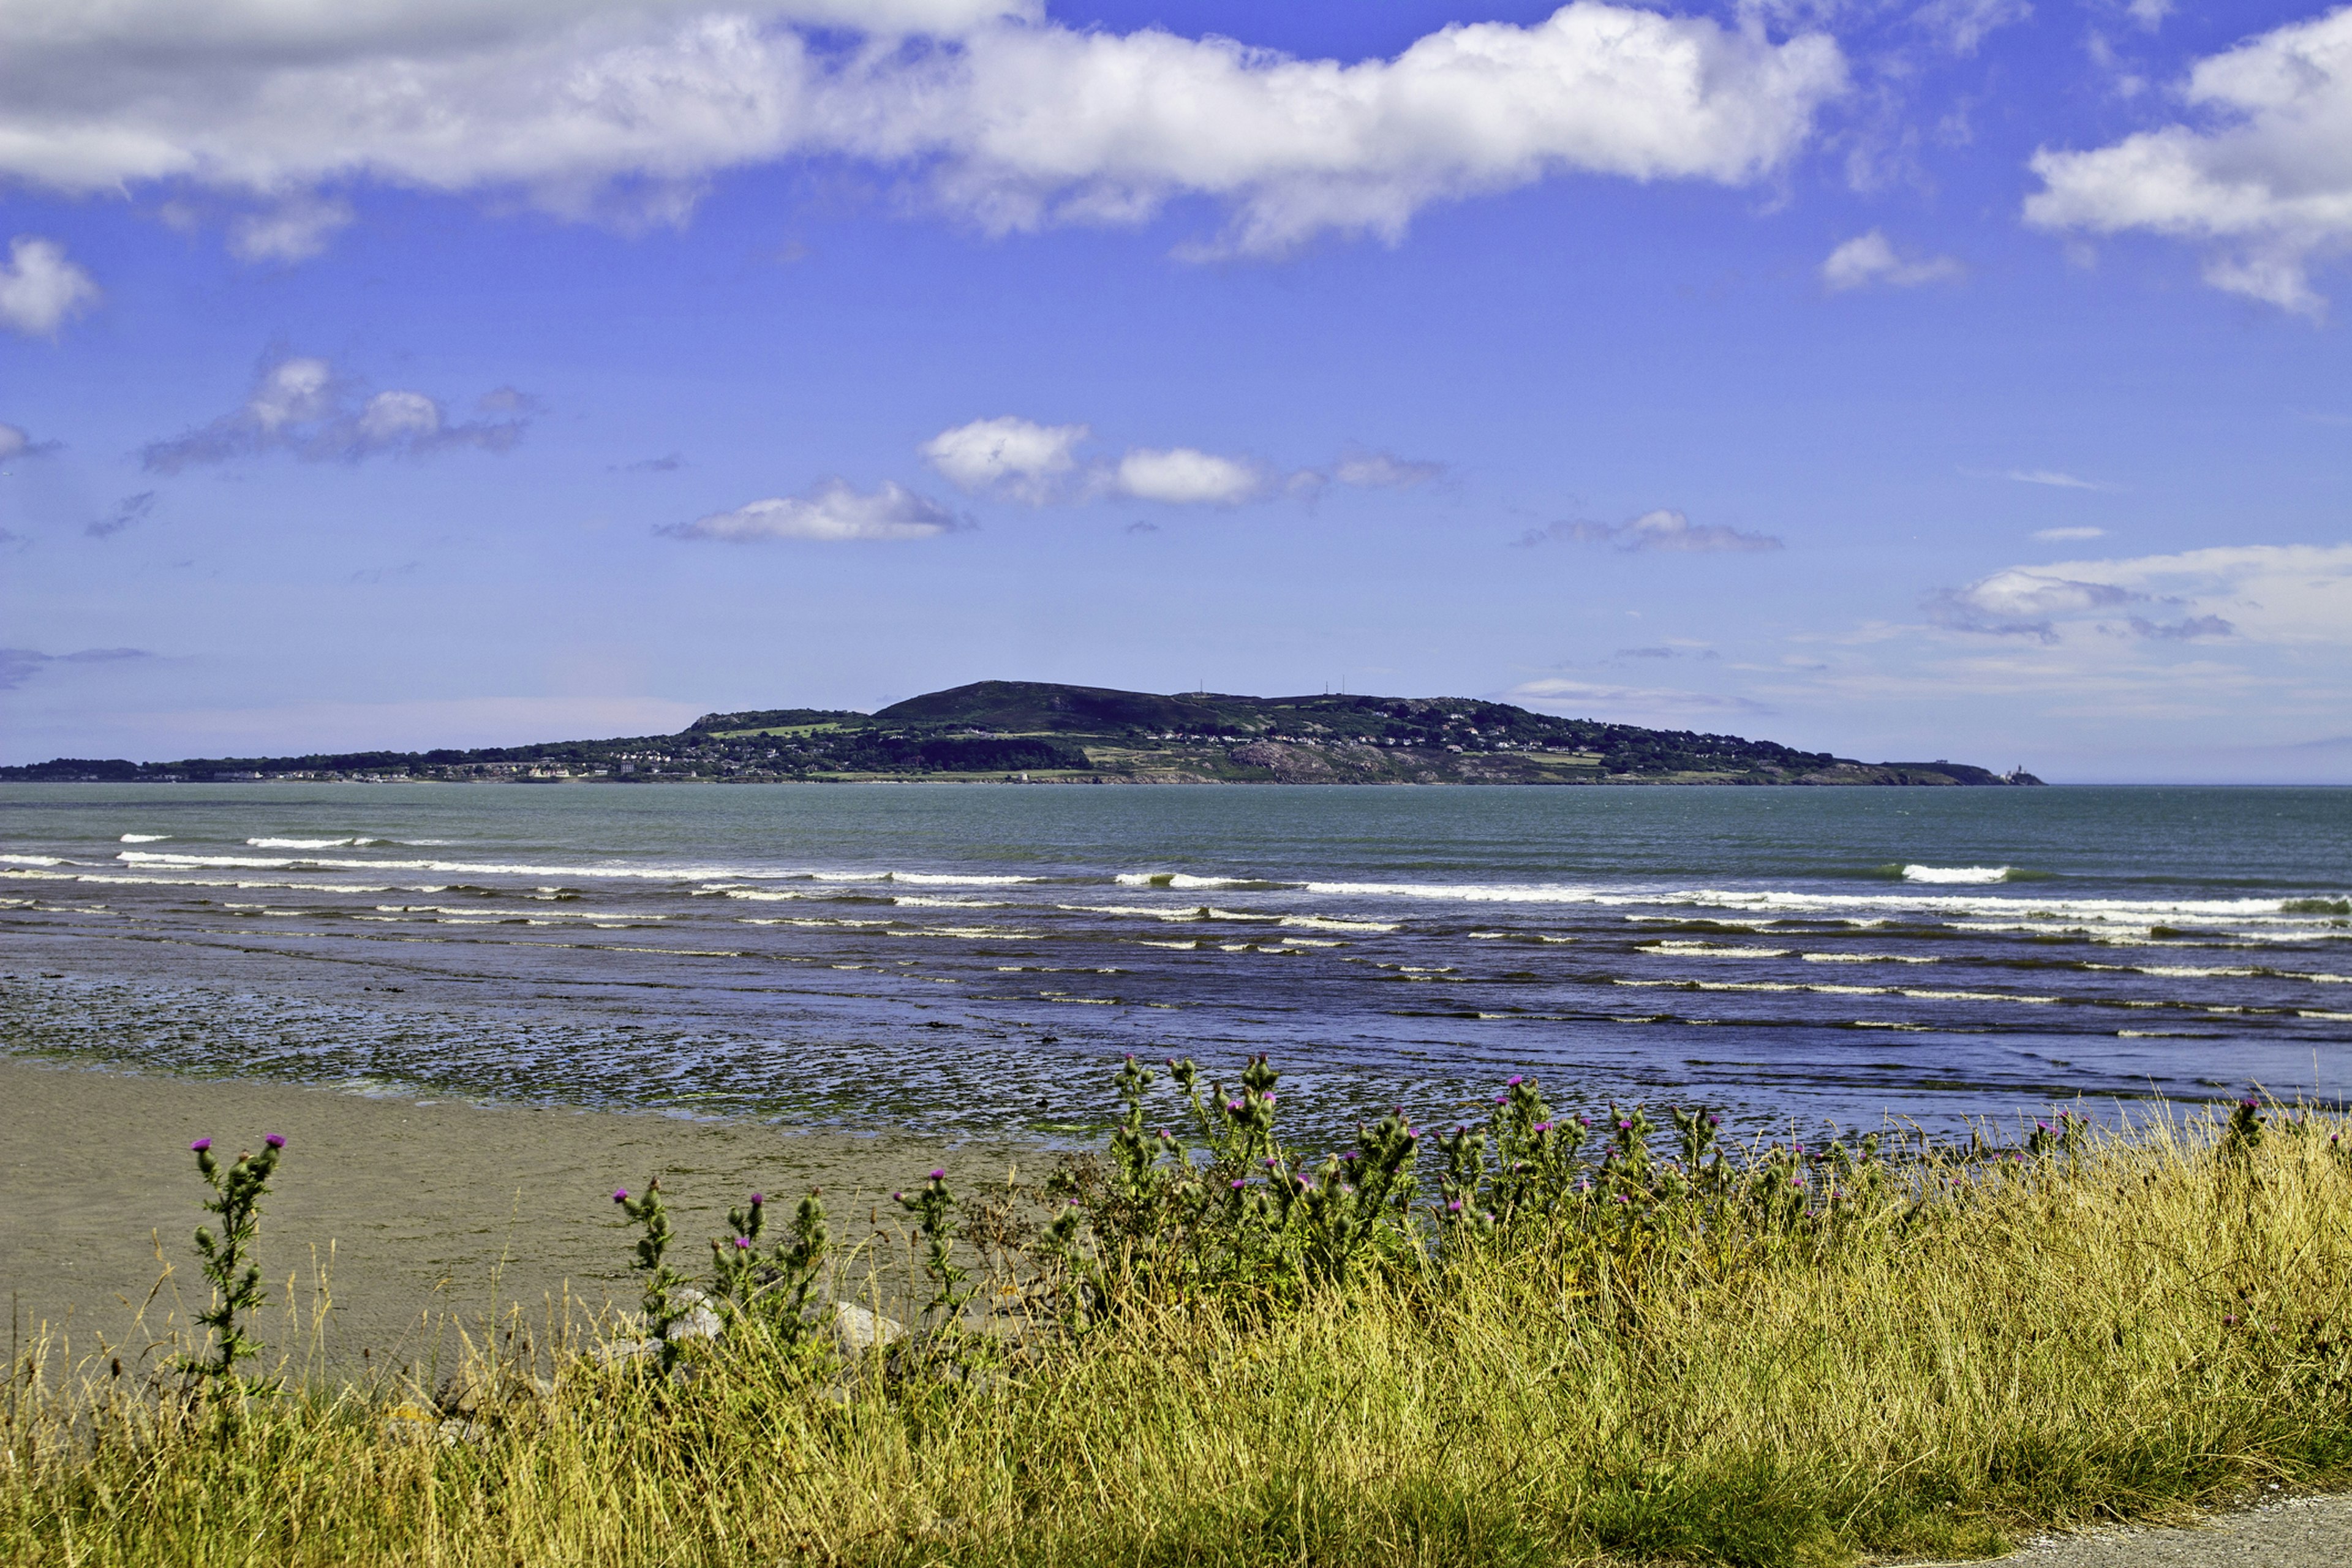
<point>2152,1324</point>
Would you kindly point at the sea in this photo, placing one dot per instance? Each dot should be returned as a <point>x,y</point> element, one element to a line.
<point>973,962</point>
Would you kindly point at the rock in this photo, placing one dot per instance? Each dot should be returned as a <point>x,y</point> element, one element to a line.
<point>857,1329</point>
<point>698,1322</point>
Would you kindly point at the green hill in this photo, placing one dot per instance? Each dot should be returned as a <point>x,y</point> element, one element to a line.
<point>1008,729</point>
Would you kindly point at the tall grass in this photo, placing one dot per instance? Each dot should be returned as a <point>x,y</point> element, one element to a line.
<point>2138,1324</point>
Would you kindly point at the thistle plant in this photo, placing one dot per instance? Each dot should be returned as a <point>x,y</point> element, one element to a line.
<point>933,1207</point>
<point>236,1280</point>
<point>770,1287</point>
<point>663,1306</point>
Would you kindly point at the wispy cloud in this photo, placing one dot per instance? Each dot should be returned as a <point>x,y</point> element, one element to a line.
<point>15,442</point>
<point>1584,696</point>
<point>18,665</point>
<point>833,513</point>
<point>2059,535</point>
<point>2056,479</point>
<point>1871,259</point>
<point>301,405</point>
<point>127,512</point>
<point>1664,531</point>
<point>2279,593</point>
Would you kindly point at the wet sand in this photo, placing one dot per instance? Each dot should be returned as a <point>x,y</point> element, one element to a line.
<point>435,1213</point>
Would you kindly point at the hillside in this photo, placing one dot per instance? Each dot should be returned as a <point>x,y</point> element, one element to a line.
<point>1008,729</point>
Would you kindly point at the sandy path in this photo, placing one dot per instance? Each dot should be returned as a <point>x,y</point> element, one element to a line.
<point>2297,1533</point>
<point>432,1210</point>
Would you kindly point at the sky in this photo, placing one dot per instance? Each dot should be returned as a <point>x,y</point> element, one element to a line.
<point>1962,380</point>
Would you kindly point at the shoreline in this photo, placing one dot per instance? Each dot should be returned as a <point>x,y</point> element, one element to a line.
<point>435,1211</point>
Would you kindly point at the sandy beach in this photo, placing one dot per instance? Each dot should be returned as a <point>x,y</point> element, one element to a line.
<point>434,1213</point>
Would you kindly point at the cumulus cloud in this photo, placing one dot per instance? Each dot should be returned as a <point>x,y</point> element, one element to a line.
<point>2273,594</point>
<point>1869,258</point>
<point>2265,183</point>
<point>832,512</point>
<point>1024,459</point>
<point>1662,531</point>
<point>301,404</point>
<point>1014,123</point>
<point>40,291</point>
<point>1184,476</point>
<point>128,512</point>
<point>18,665</point>
<point>1009,456</point>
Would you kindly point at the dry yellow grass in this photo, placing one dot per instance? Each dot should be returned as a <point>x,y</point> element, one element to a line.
<point>2147,1325</point>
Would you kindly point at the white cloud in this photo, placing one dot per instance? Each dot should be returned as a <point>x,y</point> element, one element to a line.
<point>39,288</point>
<point>1869,258</point>
<point>1011,124</point>
<point>1662,531</point>
<point>299,405</point>
<point>295,230</point>
<point>2296,595</point>
<point>2266,184</point>
<point>12,441</point>
<point>2149,14</point>
<point>1961,25</point>
<point>832,512</point>
<point>1184,475</point>
<point>2054,535</point>
<point>2052,476</point>
<point>1016,457</point>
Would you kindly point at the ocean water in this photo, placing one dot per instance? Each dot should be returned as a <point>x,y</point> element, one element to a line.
<point>975,960</point>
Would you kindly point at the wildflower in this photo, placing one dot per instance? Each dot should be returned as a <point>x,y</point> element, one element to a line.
<point>742,1244</point>
<point>938,1176</point>
<point>1233,1106</point>
<point>1239,1184</point>
<point>275,1141</point>
<point>200,1145</point>
<point>620,1195</point>
<point>1543,1126</point>
<point>1517,1081</point>
<point>757,1199</point>
<point>1453,1205</point>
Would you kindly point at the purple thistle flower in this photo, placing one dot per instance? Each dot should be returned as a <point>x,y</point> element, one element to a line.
<point>200,1145</point>
<point>938,1176</point>
<point>1715,1122</point>
<point>275,1141</point>
<point>1543,1126</point>
<point>1501,1098</point>
<point>1453,1205</point>
<point>898,1197</point>
<point>620,1195</point>
<point>1235,1106</point>
<point>742,1244</point>
<point>758,1198</point>
<point>1239,1184</point>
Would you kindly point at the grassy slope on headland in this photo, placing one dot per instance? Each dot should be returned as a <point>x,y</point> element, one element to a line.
<point>1930,1359</point>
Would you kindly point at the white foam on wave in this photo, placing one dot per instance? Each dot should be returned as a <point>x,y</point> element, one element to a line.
<point>346,843</point>
<point>1184,882</point>
<point>145,837</point>
<point>1867,957</point>
<point>1709,950</point>
<point>31,860</point>
<point>1334,923</point>
<point>919,901</point>
<point>1942,874</point>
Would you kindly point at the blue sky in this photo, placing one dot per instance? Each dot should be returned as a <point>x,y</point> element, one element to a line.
<point>1964,380</point>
